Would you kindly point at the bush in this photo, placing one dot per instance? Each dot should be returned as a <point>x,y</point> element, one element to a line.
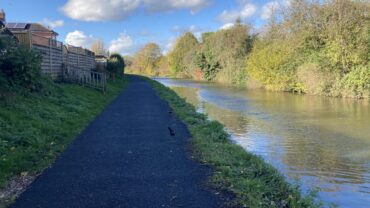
<point>115,65</point>
<point>208,65</point>
<point>226,50</point>
<point>19,66</point>
<point>271,64</point>
<point>356,84</point>
<point>314,79</point>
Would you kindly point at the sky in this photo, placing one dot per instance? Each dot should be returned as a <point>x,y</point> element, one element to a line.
<point>127,25</point>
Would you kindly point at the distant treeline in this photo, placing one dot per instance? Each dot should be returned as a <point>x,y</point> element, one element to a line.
<point>314,47</point>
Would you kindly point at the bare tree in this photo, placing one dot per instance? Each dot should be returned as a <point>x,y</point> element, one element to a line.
<point>98,47</point>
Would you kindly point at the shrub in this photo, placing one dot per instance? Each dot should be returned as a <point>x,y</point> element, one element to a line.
<point>19,66</point>
<point>208,65</point>
<point>227,49</point>
<point>356,84</point>
<point>271,64</point>
<point>314,79</point>
<point>115,65</point>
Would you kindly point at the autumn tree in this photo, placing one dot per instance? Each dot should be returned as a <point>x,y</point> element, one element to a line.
<point>146,59</point>
<point>179,58</point>
<point>163,66</point>
<point>225,52</point>
<point>317,47</point>
<point>98,47</point>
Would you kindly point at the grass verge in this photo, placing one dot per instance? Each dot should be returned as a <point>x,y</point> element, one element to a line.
<point>36,128</point>
<point>254,182</point>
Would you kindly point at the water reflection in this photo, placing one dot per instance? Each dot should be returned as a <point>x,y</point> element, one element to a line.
<point>322,141</point>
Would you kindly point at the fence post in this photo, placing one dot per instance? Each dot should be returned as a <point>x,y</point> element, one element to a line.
<point>30,39</point>
<point>78,59</point>
<point>50,58</point>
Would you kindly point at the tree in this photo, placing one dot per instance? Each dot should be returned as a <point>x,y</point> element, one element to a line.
<point>147,58</point>
<point>227,50</point>
<point>115,65</point>
<point>163,66</point>
<point>319,47</point>
<point>98,47</point>
<point>128,63</point>
<point>184,45</point>
<point>208,65</point>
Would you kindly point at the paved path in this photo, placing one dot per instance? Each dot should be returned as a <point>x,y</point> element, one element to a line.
<point>125,158</point>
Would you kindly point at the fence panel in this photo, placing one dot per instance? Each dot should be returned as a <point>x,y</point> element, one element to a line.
<point>24,38</point>
<point>52,60</point>
<point>55,55</point>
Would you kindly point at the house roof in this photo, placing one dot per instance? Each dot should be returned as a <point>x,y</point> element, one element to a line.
<point>4,31</point>
<point>35,27</point>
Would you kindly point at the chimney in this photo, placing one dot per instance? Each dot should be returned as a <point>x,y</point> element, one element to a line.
<point>2,16</point>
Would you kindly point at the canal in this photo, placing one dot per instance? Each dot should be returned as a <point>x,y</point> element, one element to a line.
<point>322,142</point>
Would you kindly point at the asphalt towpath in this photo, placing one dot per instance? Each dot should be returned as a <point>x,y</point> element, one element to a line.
<point>126,157</point>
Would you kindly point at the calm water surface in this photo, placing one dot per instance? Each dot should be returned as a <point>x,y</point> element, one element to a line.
<point>323,142</point>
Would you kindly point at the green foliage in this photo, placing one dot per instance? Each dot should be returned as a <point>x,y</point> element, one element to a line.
<point>228,48</point>
<point>315,80</point>
<point>146,60</point>
<point>20,67</point>
<point>357,82</point>
<point>184,45</point>
<point>254,182</point>
<point>315,47</point>
<point>269,64</point>
<point>36,128</point>
<point>308,47</point>
<point>115,65</point>
<point>208,65</point>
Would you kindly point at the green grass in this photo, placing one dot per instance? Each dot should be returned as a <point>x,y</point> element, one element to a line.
<point>254,182</point>
<point>35,127</point>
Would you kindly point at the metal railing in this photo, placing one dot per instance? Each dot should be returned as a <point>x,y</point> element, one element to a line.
<point>92,79</point>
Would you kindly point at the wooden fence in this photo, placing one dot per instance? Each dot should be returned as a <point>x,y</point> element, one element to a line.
<point>85,77</point>
<point>56,55</point>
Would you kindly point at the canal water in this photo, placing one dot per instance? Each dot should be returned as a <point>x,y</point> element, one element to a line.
<point>324,142</point>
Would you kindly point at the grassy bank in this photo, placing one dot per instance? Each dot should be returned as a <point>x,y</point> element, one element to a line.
<point>36,127</point>
<point>254,182</point>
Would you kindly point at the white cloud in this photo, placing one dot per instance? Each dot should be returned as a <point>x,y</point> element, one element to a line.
<point>78,38</point>
<point>269,8</point>
<point>100,10</point>
<point>170,5</point>
<point>273,6</point>
<point>230,16</point>
<point>52,24</point>
<point>169,45</point>
<point>123,44</point>
<point>197,31</point>
<point>117,10</point>
<point>179,29</point>
<point>226,26</point>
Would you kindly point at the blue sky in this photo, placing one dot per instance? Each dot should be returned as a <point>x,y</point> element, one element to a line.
<point>126,25</point>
